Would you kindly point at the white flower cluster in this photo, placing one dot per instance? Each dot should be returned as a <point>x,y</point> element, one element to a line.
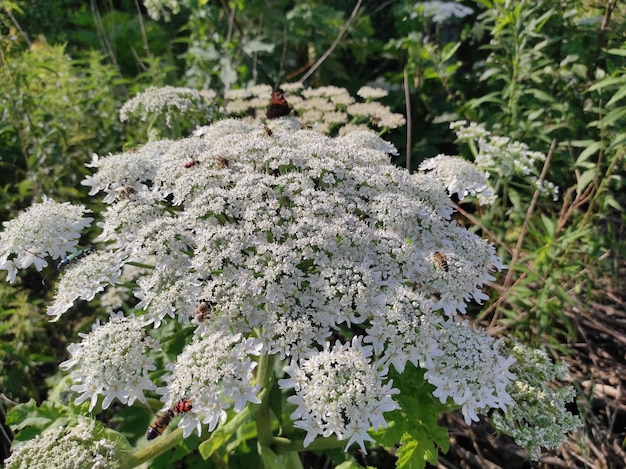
<point>113,360</point>
<point>459,177</point>
<point>327,109</point>
<point>274,239</point>
<point>337,391</point>
<point>158,8</point>
<point>215,372</point>
<point>84,278</point>
<point>45,229</point>
<point>502,157</point>
<point>77,447</point>
<point>168,103</point>
<point>441,11</point>
<point>468,359</point>
<point>538,417</point>
<point>284,237</point>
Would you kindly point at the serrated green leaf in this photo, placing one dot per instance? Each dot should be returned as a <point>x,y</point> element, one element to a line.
<point>392,434</point>
<point>28,414</point>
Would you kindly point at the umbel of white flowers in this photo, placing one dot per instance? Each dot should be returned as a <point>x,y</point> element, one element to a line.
<point>269,243</point>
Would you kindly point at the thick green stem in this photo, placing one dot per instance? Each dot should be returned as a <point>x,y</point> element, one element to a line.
<point>160,446</point>
<point>263,415</point>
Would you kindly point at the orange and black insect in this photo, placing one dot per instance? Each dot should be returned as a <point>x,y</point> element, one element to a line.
<point>159,425</point>
<point>278,106</point>
<point>441,260</point>
<point>267,131</point>
<point>182,407</point>
<point>191,163</point>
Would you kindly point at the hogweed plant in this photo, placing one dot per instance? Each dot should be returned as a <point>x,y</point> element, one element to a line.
<point>317,291</point>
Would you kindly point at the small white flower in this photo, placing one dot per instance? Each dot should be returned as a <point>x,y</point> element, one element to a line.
<point>368,92</point>
<point>470,370</point>
<point>112,361</point>
<point>440,11</point>
<point>129,169</point>
<point>158,8</point>
<point>538,416</point>
<point>85,277</point>
<point>406,331</point>
<point>166,102</point>
<point>214,372</point>
<point>45,229</point>
<point>368,139</point>
<point>503,158</point>
<point>339,391</point>
<point>459,177</point>
<point>81,446</point>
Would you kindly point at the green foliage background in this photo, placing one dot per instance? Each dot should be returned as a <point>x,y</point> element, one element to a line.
<point>550,74</point>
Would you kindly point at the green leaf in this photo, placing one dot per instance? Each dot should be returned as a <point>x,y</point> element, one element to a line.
<point>290,460</point>
<point>619,94</point>
<point>349,465</point>
<point>585,179</point>
<point>416,424</point>
<point>620,52</point>
<point>216,441</point>
<point>613,116</point>
<point>606,83</point>
<point>617,141</point>
<point>587,152</point>
<point>28,414</point>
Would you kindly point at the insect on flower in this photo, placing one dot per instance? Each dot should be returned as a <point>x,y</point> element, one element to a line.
<point>126,193</point>
<point>159,425</point>
<point>191,163</point>
<point>222,162</point>
<point>182,407</point>
<point>278,106</point>
<point>267,130</point>
<point>75,256</point>
<point>441,260</point>
<point>203,311</point>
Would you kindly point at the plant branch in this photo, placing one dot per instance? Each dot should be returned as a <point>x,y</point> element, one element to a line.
<point>332,47</point>
<point>407,100</point>
<point>142,27</point>
<point>508,280</point>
